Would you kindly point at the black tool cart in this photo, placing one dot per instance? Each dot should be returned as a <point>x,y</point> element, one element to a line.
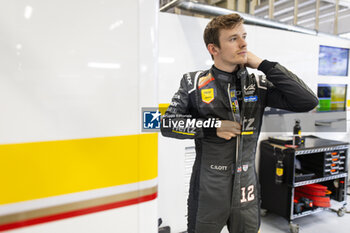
<point>284,170</point>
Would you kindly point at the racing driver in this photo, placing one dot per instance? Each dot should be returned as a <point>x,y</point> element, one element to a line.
<point>224,189</point>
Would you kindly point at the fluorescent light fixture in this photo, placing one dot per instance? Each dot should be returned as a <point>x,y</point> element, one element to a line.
<point>327,20</point>
<point>100,65</point>
<point>266,7</point>
<point>166,60</point>
<point>28,12</point>
<point>341,2</point>
<point>116,24</point>
<point>301,14</point>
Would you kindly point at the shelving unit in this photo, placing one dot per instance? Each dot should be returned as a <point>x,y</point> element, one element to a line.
<point>279,198</point>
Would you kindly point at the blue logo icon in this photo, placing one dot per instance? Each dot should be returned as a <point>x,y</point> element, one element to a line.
<point>151,119</point>
<point>251,98</point>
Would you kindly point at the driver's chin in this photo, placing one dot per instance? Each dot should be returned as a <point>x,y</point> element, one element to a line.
<point>241,61</point>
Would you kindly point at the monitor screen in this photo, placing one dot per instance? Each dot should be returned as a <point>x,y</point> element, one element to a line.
<point>333,61</point>
<point>332,97</point>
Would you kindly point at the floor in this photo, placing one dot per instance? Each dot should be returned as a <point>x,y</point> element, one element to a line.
<point>322,222</point>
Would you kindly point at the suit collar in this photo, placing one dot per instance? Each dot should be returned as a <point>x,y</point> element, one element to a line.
<point>226,76</point>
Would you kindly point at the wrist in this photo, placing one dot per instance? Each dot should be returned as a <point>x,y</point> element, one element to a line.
<point>265,66</point>
<point>258,63</point>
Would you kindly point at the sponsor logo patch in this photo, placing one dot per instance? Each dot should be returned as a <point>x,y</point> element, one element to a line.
<point>207,95</point>
<point>203,81</point>
<point>248,125</point>
<point>249,90</point>
<point>234,101</point>
<point>251,98</point>
<point>233,93</point>
<point>189,81</point>
<point>245,167</point>
<point>239,169</point>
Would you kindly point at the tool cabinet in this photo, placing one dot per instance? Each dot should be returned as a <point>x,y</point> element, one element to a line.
<point>317,161</point>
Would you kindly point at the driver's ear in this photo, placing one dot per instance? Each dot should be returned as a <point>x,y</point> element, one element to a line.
<point>213,49</point>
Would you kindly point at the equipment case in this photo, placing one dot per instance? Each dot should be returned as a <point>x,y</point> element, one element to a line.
<point>313,166</point>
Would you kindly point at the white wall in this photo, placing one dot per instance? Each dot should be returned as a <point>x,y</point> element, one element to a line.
<point>63,68</point>
<point>181,49</point>
<point>79,69</point>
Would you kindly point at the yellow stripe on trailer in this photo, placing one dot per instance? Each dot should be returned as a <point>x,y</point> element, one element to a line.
<point>42,169</point>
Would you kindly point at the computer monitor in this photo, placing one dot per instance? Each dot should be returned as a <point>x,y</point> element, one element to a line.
<point>333,61</point>
<point>332,97</point>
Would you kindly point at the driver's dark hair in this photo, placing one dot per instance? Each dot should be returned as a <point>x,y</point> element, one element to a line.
<point>212,30</point>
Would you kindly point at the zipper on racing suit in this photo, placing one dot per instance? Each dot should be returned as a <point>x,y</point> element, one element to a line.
<point>234,118</point>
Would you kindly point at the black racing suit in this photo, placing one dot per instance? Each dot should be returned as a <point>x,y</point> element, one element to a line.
<point>224,188</point>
